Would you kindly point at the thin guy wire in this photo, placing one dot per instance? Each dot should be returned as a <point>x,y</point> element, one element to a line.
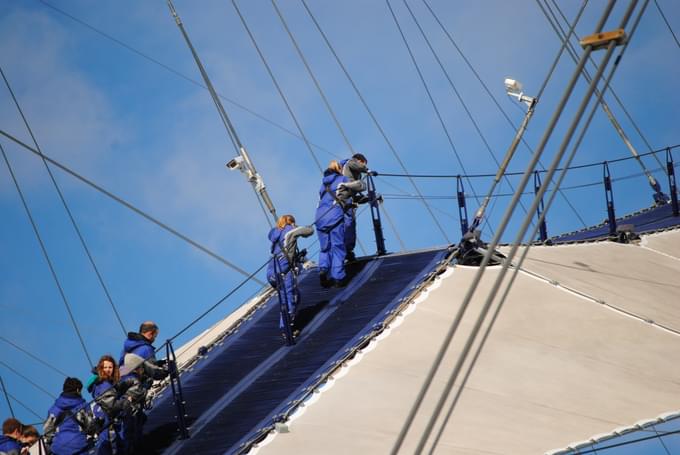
<point>25,406</point>
<point>326,102</point>
<point>525,252</point>
<point>616,97</point>
<point>493,98</point>
<point>47,257</point>
<point>670,29</point>
<point>126,204</point>
<point>540,171</point>
<point>198,84</point>
<point>28,380</point>
<point>4,391</point>
<point>434,106</point>
<point>620,103</point>
<point>480,271</point>
<point>65,204</point>
<point>372,115</point>
<point>278,87</point>
<point>394,228</point>
<point>33,356</point>
<point>459,96</point>
<point>314,79</point>
<point>525,225</point>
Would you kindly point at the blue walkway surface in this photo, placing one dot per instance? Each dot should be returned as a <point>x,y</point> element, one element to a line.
<point>247,382</point>
<point>648,220</point>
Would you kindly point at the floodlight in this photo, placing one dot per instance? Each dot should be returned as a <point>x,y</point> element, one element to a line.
<point>514,88</point>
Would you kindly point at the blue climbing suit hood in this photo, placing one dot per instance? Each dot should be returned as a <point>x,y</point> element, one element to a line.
<point>9,445</point>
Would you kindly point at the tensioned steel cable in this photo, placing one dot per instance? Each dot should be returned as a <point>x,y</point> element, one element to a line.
<point>278,87</point>
<point>372,115</point>
<point>493,98</point>
<point>557,27</point>
<point>47,256</point>
<point>517,267</point>
<point>181,75</point>
<point>620,103</point>
<point>28,380</point>
<point>458,96</point>
<point>65,204</point>
<point>326,102</point>
<point>33,356</point>
<point>24,405</point>
<point>491,247</point>
<point>4,391</point>
<point>670,29</point>
<point>127,205</point>
<point>540,171</point>
<point>447,133</point>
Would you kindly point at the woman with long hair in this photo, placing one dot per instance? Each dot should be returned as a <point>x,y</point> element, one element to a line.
<point>106,403</point>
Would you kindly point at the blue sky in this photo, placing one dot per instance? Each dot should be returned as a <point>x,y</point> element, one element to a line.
<point>155,139</point>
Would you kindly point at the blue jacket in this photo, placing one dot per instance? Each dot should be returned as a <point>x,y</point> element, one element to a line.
<point>329,213</point>
<point>276,236</point>
<point>70,437</point>
<point>9,445</point>
<point>139,352</point>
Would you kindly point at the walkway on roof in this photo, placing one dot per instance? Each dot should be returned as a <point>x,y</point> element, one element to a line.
<point>558,367</point>
<point>236,392</point>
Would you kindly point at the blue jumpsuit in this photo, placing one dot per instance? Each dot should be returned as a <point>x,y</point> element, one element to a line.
<point>330,227</point>
<point>69,438</point>
<point>111,434</point>
<point>276,236</point>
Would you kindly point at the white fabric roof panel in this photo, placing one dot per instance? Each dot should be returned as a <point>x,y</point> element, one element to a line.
<point>557,368</point>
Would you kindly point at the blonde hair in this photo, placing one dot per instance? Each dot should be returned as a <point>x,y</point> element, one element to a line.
<point>335,166</point>
<point>285,220</point>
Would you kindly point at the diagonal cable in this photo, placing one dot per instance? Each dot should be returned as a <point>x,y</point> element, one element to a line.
<point>33,356</point>
<point>373,117</point>
<point>4,391</point>
<point>515,245</point>
<point>28,380</point>
<point>447,133</point>
<point>65,204</point>
<point>492,96</point>
<point>616,97</point>
<point>25,406</point>
<point>126,204</point>
<point>278,87</point>
<point>668,25</point>
<point>47,257</point>
<point>491,247</point>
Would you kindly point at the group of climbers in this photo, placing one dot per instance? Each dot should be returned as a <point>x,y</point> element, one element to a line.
<point>335,221</point>
<point>16,437</point>
<point>112,422</point>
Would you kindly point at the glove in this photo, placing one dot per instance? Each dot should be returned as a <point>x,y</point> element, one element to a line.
<point>372,173</point>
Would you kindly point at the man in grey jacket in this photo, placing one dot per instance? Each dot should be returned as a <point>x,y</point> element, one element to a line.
<point>353,169</point>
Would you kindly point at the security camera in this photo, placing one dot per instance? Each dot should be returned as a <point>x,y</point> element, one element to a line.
<point>513,86</point>
<point>235,163</point>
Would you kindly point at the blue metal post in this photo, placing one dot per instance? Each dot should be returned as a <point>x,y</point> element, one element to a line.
<point>670,167</point>
<point>283,300</point>
<point>543,230</point>
<point>609,197</point>
<point>375,215</point>
<point>462,209</point>
<point>177,395</point>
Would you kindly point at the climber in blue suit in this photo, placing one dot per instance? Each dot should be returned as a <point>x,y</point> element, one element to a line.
<point>334,200</point>
<point>286,260</point>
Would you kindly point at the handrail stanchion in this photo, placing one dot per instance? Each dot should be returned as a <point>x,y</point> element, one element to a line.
<point>609,197</point>
<point>177,395</point>
<point>462,209</point>
<point>670,167</point>
<point>543,230</point>
<point>283,300</point>
<point>374,202</point>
